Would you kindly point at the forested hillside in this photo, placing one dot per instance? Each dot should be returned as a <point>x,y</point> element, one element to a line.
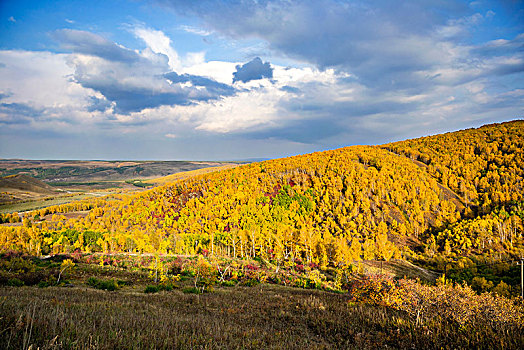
<point>436,200</point>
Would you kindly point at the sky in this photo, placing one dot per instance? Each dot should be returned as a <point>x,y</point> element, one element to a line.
<point>250,79</point>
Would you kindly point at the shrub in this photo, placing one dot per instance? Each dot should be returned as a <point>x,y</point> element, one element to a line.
<point>32,278</point>
<point>191,290</point>
<point>110,285</point>
<point>250,282</point>
<point>502,289</point>
<point>458,304</point>
<point>44,284</point>
<point>251,267</point>
<point>377,290</point>
<point>228,283</point>
<point>15,282</point>
<point>151,289</point>
<point>205,275</point>
<point>188,273</point>
<point>167,287</point>
<point>17,265</point>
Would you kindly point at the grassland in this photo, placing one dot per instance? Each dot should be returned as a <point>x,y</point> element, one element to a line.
<point>265,316</point>
<point>45,183</point>
<point>44,202</point>
<point>78,314</point>
<point>187,174</point>
<point>73,171</point>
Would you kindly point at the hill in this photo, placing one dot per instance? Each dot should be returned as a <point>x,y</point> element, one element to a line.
<point>450,201</point>
<point>72,172</point>
<point>20,187</point>
<point>187,174</point>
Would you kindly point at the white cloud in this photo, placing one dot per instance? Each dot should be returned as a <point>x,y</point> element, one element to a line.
<point>195,30</point>
<point>158,42</point>
<point>217,70</point>
<point>39,78</point>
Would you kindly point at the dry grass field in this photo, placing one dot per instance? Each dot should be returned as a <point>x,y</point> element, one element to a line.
<point>79,314</point>
<point>187,174</point>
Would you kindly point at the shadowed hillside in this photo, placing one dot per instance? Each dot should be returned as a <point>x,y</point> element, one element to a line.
<point>17,187</point>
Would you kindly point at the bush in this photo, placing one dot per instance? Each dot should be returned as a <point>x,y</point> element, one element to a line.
<point>205,275</point>
<point>455,304</point>
<point>191,290</point>
<point>167,287</point>
<point>156,288</point>
<point>18,265</point>
<point>43,284</point>
<point>15,282</point>
<point>188,273</point>
<point>33,278</point>
<point>228,283</point>
<point>151,289</point>
<point>377,290</point>
<point>110,285</point>
<point>250,282</point>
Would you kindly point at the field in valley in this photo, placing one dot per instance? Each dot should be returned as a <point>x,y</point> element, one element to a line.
<point>33,184</point>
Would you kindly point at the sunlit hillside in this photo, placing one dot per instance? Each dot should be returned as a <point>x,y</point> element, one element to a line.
<point>435,199</point>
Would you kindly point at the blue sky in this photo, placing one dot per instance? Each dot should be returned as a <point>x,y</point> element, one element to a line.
<point>222,80</point>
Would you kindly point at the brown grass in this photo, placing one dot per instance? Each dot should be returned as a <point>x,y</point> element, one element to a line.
<point>187,174</point>
<point>398,268</point>
<point>262,317</point>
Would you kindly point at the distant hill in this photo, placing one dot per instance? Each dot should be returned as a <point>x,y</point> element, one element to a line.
<point>66,171</point>
<point>20,187</point>
<point>187,174</point>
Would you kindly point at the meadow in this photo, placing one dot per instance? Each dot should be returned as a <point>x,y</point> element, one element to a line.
<point>114,302</point>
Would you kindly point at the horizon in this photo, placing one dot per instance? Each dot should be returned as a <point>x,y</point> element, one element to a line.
<point>238,80</point>
<point>246,160</point>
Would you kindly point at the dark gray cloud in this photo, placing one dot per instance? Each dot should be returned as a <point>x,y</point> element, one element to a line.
<point>4,95</point>
<point>210,85</point>
<point>133,81</point>
<point>307,131</point>
<point>253,70</point>
<point>130,99</point>
<point>386,45</point>
<point>18,113</point>
<point>370,38</point>
<point>88,43</point>
<point>422,62</point>
<point>98,104</point>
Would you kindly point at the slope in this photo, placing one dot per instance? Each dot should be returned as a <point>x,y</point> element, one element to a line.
<point>187,174</point>
<point>18,187</point>
<point>330,208</point>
